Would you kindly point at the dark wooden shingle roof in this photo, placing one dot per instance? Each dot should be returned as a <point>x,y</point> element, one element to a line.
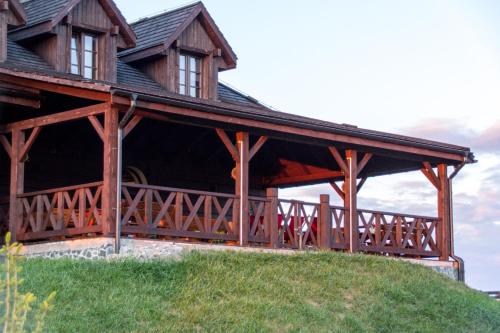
<point>157,29</point>
<point>39,11</point>
<point>21,58</point>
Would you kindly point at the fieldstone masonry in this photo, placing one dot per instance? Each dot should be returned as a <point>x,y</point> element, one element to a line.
<point>103,248</point>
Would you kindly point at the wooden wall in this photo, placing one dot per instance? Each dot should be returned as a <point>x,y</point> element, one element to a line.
<point>164,69</point>
<point>88,16</point>
<point>3,35</point>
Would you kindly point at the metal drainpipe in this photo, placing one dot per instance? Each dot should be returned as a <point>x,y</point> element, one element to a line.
<point>458,260</point>
<point>121,125</point>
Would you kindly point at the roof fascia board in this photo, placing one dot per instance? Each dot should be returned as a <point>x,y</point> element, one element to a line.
<point>144,53</point>
<point>38,29</point>
<point>17,9</point>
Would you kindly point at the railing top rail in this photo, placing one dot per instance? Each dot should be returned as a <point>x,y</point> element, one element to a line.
<point>299,202</point>
<point>60,189</point>
<point>338,207</point>
<point>172,189</point>
<point>397,214</point>
<point>262,199</point>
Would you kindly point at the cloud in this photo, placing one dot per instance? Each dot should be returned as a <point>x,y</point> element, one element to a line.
<point>457,132</point>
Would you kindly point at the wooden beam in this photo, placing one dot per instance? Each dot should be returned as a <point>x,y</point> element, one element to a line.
<point>97,126</point>
<point>229,145</point>
<point>256,147</point>
<point>337,189</point>
<point>444,213</point>
<point>110,160</point>
<point>16,183</point>
<point>22,101</point>
<point>340,161</point>
<point>361,183</point>
<point>289,130</point>
<point>27,146</point>
<point>302,179</point>
<point>350,202</point>
<point>241,184</point>
<point>430,174</point>
<point>6,145</point>
<point>131,125</point>
<point>364,161</point>
<point>55,118</point>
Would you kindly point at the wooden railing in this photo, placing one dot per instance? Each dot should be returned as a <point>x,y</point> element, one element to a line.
<point>383,232</point>
<point>164,211</point>
<point>298,224</point>
<point>338,235</point>
<point>64,211</point>
<point>259,228</point>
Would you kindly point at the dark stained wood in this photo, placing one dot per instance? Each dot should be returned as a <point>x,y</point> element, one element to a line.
<point>272,216</point>
<point>350,202</point>
<point>22,101</point>
<point>55,118</point>
<point>27,146</point>
<point>229,145</point>
<point>325,222</point>
<point>3,32</point>
<point>97,126</point>
<point>16,182</point>
<point>110,175</point>
<point>6,145</point>
<point>241,184</point>
<point>444,202</point>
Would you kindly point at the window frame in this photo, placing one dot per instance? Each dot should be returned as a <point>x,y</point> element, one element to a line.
<point>185,74</point>
<point>78,46</point>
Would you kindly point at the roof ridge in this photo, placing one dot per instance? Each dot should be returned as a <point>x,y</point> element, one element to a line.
<point>165,12</point>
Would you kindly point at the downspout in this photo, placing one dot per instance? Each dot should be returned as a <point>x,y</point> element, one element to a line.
<point>460,262</point>
<point>119,167</point>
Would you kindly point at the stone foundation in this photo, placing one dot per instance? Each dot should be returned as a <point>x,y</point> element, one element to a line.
<point>103,248</point>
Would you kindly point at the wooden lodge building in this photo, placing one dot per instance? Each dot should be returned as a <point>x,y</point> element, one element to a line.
<point>114,128</point>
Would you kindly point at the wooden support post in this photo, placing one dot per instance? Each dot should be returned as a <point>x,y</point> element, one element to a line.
<point>443,230</point>
<point>350,202</point>
<point>242,144</point>
<point>272,217</point>
<point>109,195</point>
<point>16,182</point>
<point>325,222</point>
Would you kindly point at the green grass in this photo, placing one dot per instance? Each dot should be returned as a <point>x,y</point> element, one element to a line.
<point>235,292</point>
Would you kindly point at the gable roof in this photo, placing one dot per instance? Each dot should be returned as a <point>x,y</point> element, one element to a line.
<point>17,9</point>
<point>19,57</point>
<point>52,12</point>
<point>162,30</point>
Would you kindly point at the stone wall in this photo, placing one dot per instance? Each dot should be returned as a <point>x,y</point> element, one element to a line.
<point>103,248</point>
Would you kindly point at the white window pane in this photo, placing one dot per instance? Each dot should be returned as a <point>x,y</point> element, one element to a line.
<point>182,90</point>
<point>89,43</point>
<point>182,62</point>
<point>89,59</point>
<point>192,63</point>
<point>182,77</point>
<point>192,78</point>
<point>73,42</point>
<point>74,57</point>
<point>192,92</point>
<point>88,73</point>
<point>75,70</point>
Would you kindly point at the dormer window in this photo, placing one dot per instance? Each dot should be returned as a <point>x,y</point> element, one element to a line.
<point>189,75</point>
<point>84,55</point>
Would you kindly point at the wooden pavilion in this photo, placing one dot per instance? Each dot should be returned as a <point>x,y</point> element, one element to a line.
<point>114,128</point>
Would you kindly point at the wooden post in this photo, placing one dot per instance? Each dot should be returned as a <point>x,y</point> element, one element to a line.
<point>272,217</point>
<point>109,195</point>
<point>350,202</point>
<point>325,222</point>
<point>16,182</point>
<point>242,142</point>
<point>443,230</point>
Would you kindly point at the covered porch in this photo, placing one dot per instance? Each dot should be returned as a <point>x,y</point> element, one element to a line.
<point>178,169</point>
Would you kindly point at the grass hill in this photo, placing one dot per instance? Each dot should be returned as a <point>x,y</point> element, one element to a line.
<point>236,292</point>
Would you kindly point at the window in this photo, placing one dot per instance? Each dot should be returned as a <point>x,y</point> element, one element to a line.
<point>84,55</point>
<point>189,75</point>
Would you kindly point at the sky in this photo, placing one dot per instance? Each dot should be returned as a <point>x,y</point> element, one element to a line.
<point>426,68</point>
